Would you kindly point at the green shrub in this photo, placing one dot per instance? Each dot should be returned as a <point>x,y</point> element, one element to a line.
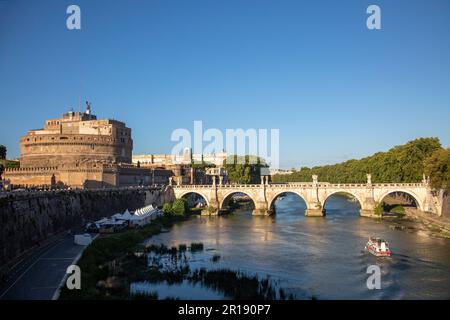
<point>180,207</point>
<point>398,209</point>
<point>167,208</point>
<point>379,209</point>
<point>211,209</point>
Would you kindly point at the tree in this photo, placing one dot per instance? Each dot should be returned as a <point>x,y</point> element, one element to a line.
<point>437,167</point>
<point>202,165</point>
<point>404,163</point>
<point>12,164</point>
<point>2,152</point>
<point>244,169</point>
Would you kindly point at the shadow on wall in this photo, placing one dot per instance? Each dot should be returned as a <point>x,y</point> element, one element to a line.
<point>94,184</point>
<point>446,204</point>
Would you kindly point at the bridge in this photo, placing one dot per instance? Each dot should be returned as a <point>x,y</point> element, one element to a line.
<point>315,194</point>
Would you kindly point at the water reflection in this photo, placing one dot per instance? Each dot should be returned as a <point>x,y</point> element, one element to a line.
<point>182,291</point>
<point>320,256</point>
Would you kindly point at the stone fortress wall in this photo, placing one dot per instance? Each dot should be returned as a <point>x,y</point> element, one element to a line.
<point>65,149</point>
<point>100,176</point>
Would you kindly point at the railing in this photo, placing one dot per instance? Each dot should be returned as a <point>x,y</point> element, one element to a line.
<point>32,192</point>
<point>291,185</point>
<point>299,185</point>
<point>400,184</point>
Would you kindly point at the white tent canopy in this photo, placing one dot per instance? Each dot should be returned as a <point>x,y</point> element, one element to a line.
<point>141,216</point>
<point>144,215</point>
<point>117,216</point>
<point>145,210</point>
<point>126,215</point>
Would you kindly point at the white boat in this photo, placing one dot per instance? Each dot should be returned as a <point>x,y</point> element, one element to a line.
<point>378,247</point>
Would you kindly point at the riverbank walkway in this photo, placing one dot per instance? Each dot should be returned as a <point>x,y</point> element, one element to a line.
<point>39,276</point>
<point>429,219</point>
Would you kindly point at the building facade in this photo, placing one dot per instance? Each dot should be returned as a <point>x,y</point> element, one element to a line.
<point>187,158</point>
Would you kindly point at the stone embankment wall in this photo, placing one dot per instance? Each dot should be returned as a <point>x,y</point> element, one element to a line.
<point>29,218</point>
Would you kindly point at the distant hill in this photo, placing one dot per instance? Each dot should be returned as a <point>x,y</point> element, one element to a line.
<point>404,163</point>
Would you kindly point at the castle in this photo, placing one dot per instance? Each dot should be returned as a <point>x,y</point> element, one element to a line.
<point>78,150</point>
<point>77,138</point>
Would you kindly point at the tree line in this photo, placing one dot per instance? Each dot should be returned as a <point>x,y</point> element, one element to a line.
<point>402,164</point>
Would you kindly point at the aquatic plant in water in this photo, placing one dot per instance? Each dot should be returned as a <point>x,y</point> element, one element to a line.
<point>196,246</point>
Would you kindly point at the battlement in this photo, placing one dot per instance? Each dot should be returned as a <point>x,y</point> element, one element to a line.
<point>31,169</point>
<point>72,139</point>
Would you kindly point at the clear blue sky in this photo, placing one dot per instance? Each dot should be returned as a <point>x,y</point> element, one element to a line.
<point>335,89</point>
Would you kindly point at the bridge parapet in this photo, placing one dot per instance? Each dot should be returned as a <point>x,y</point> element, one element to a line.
<point>300,185</point>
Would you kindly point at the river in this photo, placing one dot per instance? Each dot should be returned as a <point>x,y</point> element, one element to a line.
<point>320,257</point>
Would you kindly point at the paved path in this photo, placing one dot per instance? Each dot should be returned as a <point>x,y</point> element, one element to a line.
<point>39,276</point>
<point>443,222</point>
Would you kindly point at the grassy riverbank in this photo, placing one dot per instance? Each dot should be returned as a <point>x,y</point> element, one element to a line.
<point>111,263</point>
<point>104,265</point>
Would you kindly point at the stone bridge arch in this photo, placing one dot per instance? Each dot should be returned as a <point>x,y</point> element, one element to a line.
<point>184,193</point>
<point>353,193</point>
<point>419,200</point>
<point>275,194</point>
<point>225,196</point>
